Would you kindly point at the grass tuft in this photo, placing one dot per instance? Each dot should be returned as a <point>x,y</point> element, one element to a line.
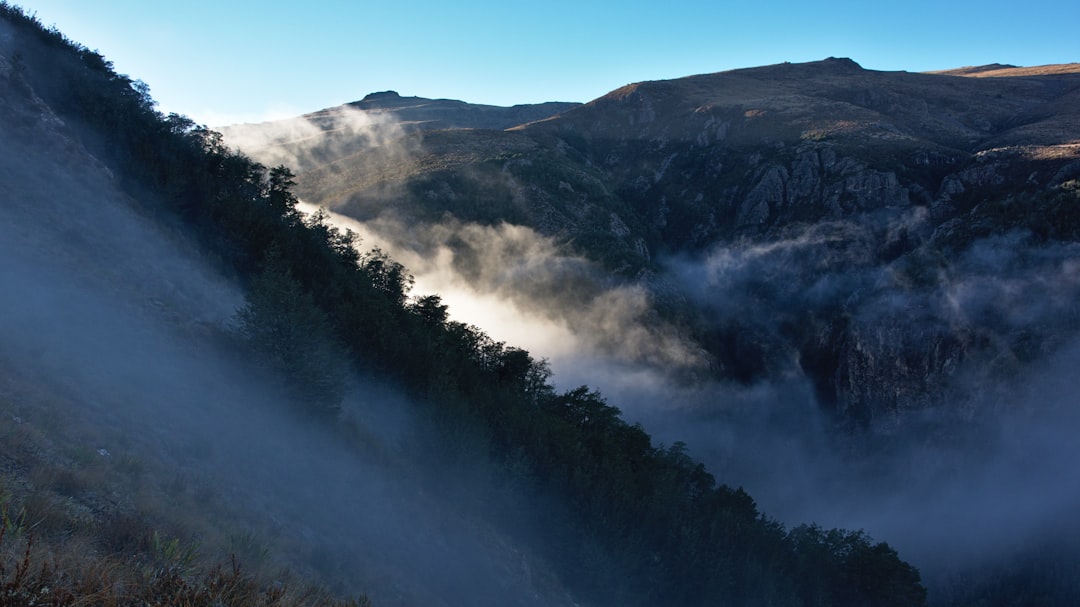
<point>29,576</point>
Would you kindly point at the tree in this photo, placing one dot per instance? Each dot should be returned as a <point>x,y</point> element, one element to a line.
<point>294,339</point>
<point>281,197</point>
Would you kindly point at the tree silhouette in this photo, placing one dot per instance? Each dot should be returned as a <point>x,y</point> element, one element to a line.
<point>294,339</point>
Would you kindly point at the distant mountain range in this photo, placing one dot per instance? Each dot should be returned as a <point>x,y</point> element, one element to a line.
<point>875,186</point>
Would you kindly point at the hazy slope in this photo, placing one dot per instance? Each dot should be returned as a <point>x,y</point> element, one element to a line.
<point>113,338</point>
<point>278,457</point>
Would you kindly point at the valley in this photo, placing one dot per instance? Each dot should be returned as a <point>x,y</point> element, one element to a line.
<point>713,339</point>
<point>844,289</point>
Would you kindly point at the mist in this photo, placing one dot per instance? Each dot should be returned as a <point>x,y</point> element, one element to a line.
<point>979,476</point>
<point>524,289</point>
<point>966,463</point>
<point>127,327</point>
<point>313,140</point>
<point>518,286</point>
<point>979,471</point>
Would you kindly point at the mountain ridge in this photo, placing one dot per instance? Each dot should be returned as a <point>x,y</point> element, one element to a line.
<point>809,96</point>
<point>677,167</point>
<point>997,70</point>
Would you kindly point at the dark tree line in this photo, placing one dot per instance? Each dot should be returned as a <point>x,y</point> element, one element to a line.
<point>635,523</point>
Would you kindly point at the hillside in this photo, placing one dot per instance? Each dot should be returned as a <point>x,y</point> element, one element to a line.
<point>897,171</point>
<point>144,454</point>
<point>193,370</point>
<point>853,291</point>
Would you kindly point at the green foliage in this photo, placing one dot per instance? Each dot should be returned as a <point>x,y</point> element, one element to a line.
<point>294,339</point>
<point>13,522</point>
<point>847,568</point>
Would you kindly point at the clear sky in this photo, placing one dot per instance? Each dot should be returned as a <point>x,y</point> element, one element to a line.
<point>225,61</point>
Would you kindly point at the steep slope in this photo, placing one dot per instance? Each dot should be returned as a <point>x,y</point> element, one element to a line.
<point>764,147</point>
<point>854,139</point>
<point>880,170</point>
<point>853,291</point>
<point>433,485</point>
<point>126,410</point>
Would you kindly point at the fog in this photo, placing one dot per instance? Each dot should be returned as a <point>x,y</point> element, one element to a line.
<point>128,321</point>
<point>518,286</point>
<point>523,289</point>
<point>313,140</point>
<point>131,324</point>
<point>968,462</point>
<point>980,470</point>
<point>982,473</point>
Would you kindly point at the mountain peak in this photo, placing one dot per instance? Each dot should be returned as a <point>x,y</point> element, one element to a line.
<point>382,96</point>
<point>842,62</point>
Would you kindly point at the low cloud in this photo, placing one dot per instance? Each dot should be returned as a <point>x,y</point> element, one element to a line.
<point>983,340</point>
<point>316,140</point>
<point>523,289</point>
<point>977,476</point>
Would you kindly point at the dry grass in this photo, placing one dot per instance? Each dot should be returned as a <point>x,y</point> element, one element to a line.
<point>52,555</point>
<point>79,526</point>
<point>33,575</point>
<point>1011,71</point>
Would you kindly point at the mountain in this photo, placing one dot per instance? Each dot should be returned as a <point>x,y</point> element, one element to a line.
<point>436,114</point>
<point>193,370</point>
<point>892,172</point>
<point>145,455</point>
<point>908,165</point>
<point>331,134</point>
<point>765,147</point>
<point>851,290</point>
<point>914,129</point>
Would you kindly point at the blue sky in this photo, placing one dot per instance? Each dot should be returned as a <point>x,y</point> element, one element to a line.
<point>237,60</point>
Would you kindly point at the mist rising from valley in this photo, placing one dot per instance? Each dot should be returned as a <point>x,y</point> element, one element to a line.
<point>978,477</point>
<point>831,329</point>
<point>121,315</point>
